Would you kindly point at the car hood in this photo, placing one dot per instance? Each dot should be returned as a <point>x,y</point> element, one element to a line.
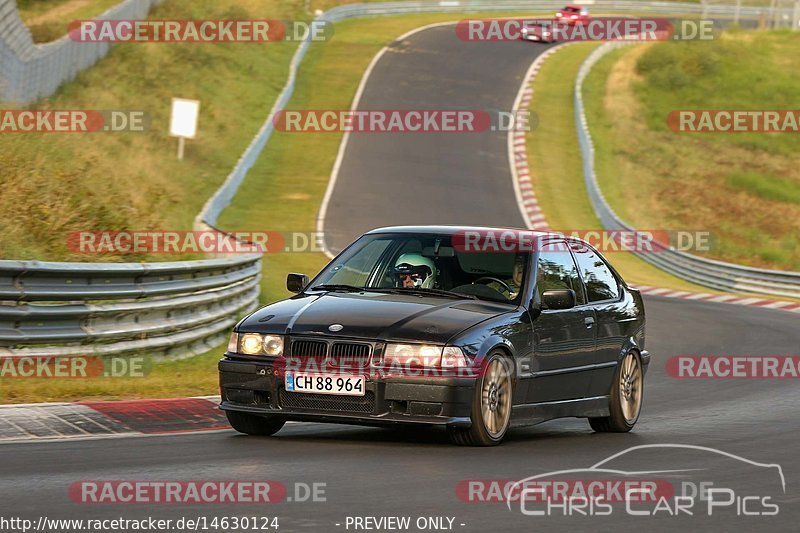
<point>377,316</point>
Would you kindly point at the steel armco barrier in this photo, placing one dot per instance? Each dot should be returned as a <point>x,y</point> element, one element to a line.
<point>708,272</point>
<point>162,309</point>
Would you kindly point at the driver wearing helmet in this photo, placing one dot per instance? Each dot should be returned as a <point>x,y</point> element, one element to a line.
<point>414,270</point>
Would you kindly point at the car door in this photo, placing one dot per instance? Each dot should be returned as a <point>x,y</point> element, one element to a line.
<point>563,340</point>
<point>604,294</point>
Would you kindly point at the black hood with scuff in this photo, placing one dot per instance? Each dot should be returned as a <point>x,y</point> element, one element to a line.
<point>374,316</point>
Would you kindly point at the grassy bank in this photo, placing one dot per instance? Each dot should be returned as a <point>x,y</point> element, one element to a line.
<point>54,184</point>
<point>743,187</point>
<point>48,19</point>
<point>556,169</point>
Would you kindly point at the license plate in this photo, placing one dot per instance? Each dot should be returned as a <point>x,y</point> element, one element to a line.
<point>339,384</point>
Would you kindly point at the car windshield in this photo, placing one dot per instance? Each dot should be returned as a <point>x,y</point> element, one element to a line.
<point>426,264</point>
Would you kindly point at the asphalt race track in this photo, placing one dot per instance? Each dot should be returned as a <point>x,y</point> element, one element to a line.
<point>432,178</point>
<point>389,179</point>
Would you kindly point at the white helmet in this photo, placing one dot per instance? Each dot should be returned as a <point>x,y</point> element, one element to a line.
<point>422,270</point>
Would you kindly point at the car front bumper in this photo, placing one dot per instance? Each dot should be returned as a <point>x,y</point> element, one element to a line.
<point>253,387</point>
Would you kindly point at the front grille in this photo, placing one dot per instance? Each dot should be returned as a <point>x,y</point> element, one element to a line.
<point>334,354</point>
<point>326,402</point>
<point>349,354</point>
<point>311,349</point>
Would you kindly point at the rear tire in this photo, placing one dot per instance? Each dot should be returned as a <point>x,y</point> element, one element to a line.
<point>627,393</point>
<point>491,404</point>
<point>254,424</point>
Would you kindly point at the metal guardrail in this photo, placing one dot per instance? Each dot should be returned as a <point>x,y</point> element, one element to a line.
<point>165,309</point>
<point>31,71</point>
<point>708,272</point>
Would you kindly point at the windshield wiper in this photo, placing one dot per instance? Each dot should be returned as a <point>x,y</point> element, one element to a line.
<point>434,292</point>
<point>337,287</point>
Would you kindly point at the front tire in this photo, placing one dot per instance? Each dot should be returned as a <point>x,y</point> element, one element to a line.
<point>627,392</point>
<point>491,404</point>
<point>254,424</point>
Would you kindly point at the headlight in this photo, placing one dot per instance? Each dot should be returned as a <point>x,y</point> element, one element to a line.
<point>257,344</point>
<point>273,345</point>
<point>424,355</point>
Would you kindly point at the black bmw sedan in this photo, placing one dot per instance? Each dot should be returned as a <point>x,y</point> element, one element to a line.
<point>474,329</point>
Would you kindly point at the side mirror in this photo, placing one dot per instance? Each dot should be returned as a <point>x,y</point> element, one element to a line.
<point>558,299</point>
<point>296,282</point>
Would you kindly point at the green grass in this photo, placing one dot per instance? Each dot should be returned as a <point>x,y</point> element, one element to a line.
<point>48,19</point>
<point>768,187</point>
<point>738,70</point>
<point>196,376</point>
<point>742,187</point>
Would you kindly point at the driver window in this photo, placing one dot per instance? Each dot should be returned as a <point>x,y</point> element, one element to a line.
<point>557,270</point>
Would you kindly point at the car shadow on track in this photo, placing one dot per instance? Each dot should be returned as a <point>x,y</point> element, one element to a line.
<point>572,431</point>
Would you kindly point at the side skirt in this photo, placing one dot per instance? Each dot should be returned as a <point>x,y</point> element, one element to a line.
<point>536,413</point>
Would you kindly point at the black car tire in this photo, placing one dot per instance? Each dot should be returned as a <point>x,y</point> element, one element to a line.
<point>617,422</point>
<point>494,388</point>
<point>254,424</point>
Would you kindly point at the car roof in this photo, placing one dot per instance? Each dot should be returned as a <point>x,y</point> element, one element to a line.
<point>453,230</point>
<point>573,6</point>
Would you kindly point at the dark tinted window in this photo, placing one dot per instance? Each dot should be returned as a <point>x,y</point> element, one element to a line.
<point>600,282</point>
<point>428,261</point>
<point>557,271</point>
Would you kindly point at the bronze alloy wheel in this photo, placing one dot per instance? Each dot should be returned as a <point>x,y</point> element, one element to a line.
<point>630,388</point>
<point>625,398</point>
<point>496,398</point>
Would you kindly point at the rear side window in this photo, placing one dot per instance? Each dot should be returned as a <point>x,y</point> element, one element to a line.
<point>600,281</point>
<point>557,270</point>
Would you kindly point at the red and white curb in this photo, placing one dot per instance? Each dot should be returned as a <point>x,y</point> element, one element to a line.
<point>782,305</point>
<point>95,419</point>
<point>517,152</point>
